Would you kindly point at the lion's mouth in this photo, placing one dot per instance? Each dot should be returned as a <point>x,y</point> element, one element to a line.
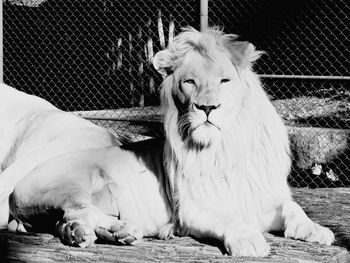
<point>208,123</point>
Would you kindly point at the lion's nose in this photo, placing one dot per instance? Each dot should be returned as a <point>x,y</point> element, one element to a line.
<point>206,108</point>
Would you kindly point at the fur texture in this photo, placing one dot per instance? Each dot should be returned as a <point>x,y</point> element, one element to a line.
<point>240,159</point>
<point>227,151</point>
<point>32,131</point>
<point>221,172</point>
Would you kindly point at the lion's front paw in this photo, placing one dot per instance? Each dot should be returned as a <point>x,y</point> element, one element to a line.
<point>75,233</point>
<point>309,231</point>
<point>249,243</point>
<point>120,232</point>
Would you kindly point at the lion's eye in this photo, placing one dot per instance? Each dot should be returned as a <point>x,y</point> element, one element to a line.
<point>224,81</point>
<point>189,81</point>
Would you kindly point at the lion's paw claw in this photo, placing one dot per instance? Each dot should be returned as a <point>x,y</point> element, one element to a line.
<point>75,233</point>
<point>119,233</point>
<point>251,244</point>
<point>309,231</point>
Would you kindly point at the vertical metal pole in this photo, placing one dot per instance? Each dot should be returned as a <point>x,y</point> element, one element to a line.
<point>204,14</point>
<point>1,44</point>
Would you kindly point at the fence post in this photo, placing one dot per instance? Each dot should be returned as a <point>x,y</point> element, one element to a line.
<point>1,44</point>
<point>204,14</point>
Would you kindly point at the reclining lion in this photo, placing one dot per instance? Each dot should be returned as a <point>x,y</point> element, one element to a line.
<point>220,173</point>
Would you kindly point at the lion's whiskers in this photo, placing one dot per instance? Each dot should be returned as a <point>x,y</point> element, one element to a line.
<point>184,125</point>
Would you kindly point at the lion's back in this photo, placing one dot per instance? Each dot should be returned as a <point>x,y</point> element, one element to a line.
<point>29,124</point>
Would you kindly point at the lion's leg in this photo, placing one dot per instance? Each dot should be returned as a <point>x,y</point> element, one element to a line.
<point>299,226</point>
<point>239,238</point>
<point>69,189</point>
<point>82,224</point>
<point>11,176</point>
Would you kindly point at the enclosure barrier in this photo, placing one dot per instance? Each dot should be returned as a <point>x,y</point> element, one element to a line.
<point>94,58</point>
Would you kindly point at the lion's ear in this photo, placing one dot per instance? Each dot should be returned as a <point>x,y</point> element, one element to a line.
<point>163,62</point>
<point>243,53</point>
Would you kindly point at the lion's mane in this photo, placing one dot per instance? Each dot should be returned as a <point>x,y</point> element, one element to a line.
<point>252,159</point>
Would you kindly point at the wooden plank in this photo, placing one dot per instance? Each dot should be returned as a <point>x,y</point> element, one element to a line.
<point>327,206</point>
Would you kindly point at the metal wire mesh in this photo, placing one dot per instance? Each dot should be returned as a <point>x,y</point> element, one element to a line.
<point>93,57</point>
<point>306,72</point>
<point>89,55</point>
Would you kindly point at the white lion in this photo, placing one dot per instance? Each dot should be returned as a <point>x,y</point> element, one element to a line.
<point>221,172</point>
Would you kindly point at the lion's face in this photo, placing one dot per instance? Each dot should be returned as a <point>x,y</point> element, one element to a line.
<point>202,84</point>
<point>207,92</point>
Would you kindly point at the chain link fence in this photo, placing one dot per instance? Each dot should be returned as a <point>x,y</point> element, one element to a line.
<point>306,72</point>
<point>94,57</point>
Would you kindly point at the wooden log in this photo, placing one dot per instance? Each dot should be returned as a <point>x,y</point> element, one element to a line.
<point>329,207</point>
